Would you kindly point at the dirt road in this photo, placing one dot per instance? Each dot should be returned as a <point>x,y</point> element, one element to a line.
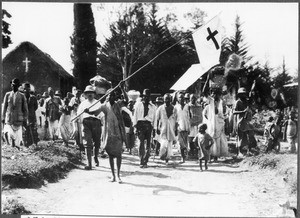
<point>159,190</point>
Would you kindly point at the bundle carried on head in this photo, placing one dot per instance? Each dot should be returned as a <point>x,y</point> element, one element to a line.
<point>22,87</point>
<point>101,84</point>
<point>133,95</point>
<point>233,63</point>
<point>217,79</point>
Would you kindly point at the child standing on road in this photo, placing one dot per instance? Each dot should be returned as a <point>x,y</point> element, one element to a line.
<point>204,142</point>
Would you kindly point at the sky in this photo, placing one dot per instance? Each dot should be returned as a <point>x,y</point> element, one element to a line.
<point>270,29</point>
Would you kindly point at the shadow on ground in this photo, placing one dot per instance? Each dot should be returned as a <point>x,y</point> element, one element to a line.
<point>160,188</point>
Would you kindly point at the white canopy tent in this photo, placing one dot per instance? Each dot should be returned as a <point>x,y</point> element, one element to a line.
<point>189,77</point>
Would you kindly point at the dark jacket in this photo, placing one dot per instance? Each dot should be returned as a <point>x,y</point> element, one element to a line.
<point>15,113</point>
<point>32,107</point>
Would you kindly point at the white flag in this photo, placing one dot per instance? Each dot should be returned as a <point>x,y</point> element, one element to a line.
<point>207,41</point>
<point>189,77</point>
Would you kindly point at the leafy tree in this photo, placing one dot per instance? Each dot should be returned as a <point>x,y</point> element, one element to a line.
<point>296,77</point>
<point>235,44</point>
<point>256,79</point>
<point>196,17</point>
<point>188,51</point>
<point>172,60</point>
<point>170,22</point>
<point>6,40</point>
<point>279,80</point>
<point>261,76</point>
<point>136,38</point>
<point>282,77</point>
<point>127,45</point>
<point>247,76</point>
<point>84,45</point>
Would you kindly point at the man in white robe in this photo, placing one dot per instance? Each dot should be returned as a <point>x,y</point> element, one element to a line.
<point>165,126</point>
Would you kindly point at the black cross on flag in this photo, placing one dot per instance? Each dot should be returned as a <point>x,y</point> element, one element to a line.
<point>207,41</point>
<point>212,37</point>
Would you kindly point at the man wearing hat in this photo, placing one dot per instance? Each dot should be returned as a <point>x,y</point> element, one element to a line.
<point>57,93</point>
<point>113,135</point>
<point>91,125</point>
<point>186,98</point>
<point>159,101</point>
<point>14,113</point>
<point>52,113</point>
<point>243,117</point>
<point>143,122</point>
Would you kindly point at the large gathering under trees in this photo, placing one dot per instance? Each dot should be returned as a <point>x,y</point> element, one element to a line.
<point>206,101</point>
<point>138,35</point>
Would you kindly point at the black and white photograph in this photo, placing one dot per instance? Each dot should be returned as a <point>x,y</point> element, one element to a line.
<point>149,109</point>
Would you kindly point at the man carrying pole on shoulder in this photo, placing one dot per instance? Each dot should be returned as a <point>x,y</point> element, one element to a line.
<point>91,126</point>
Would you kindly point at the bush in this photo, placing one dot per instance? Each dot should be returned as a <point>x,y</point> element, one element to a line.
<point>284,164</point>
<point>12,206</point>
<point>259,120</point>
<point>44,162</point>
<point>262,161</point>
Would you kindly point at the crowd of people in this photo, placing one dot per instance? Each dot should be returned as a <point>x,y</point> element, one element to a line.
<point>283,126</point>
<point>200,126</point>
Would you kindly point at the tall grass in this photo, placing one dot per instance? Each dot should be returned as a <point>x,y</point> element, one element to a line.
<point>44,162</point>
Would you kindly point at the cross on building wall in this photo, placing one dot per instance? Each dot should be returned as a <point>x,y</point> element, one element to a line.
<point>26,62</point>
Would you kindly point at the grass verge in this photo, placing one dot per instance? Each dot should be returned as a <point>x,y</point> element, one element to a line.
<point>285,166</point>
<point>30,168</point>
<point>12,206</point>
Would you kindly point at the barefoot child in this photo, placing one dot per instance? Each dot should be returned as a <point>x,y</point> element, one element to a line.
<point>204,142</point>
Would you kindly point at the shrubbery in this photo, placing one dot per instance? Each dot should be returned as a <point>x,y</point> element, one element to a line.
<point>259,120</point>
<point>263,161</point>
<point>12,206</point>
<point>31,168</point>
<point>284,164</point>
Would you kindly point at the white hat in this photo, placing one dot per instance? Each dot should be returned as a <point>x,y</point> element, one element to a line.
<point>242,90</point>
<point>133,95</point>
<point>89,88</point>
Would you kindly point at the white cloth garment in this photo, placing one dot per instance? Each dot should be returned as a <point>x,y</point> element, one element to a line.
<point>139,113</point>
<point>14,133</point>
